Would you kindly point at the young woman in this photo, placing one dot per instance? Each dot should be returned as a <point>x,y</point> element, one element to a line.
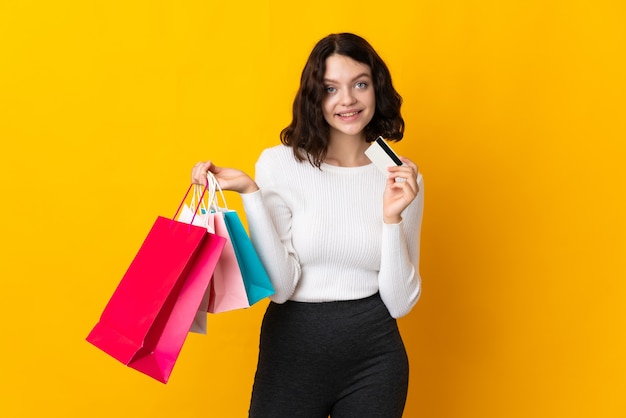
<point>340,242</point>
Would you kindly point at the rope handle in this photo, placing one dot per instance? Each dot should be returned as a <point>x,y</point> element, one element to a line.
<point>213,200</point>
<point>183,201</point>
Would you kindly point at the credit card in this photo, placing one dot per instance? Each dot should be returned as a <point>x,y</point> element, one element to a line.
<point>381,154</point>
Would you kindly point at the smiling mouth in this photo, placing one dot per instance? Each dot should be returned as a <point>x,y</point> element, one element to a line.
<point>347,115</point>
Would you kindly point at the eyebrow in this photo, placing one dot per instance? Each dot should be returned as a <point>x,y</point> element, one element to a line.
<point>329,80</point>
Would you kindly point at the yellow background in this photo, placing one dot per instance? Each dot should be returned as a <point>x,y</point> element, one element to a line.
<point>515,114</point>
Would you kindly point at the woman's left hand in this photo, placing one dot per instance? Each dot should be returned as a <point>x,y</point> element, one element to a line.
<point>401,192</point>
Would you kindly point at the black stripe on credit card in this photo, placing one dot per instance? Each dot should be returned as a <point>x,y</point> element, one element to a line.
<point>388,150</point>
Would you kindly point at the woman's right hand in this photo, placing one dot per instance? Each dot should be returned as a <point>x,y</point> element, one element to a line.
<point>228,178</point>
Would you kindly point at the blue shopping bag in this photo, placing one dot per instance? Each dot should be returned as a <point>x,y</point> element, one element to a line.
<point>255,278</point>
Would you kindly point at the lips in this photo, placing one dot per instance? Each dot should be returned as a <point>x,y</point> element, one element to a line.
<point>349,114</point>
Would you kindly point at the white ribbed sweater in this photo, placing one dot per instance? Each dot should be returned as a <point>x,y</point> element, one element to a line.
<point>321,236</point>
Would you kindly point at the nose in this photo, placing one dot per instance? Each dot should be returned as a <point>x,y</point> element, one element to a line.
<point>347,97</point>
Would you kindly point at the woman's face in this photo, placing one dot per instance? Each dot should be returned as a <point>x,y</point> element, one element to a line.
<point>350,102</point>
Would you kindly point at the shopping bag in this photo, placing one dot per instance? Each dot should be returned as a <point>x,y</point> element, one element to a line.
<point>167,345</point>
<point>146,320</point>
<point>227,289</point>
<point>255,278</point>
<point>188,215</point>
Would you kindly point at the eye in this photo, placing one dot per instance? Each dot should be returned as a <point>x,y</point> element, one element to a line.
<point>330,89</point>
<point>361,85</point>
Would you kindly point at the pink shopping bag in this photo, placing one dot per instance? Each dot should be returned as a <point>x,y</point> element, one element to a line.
<point>227,288</point>
<point>146,320</point>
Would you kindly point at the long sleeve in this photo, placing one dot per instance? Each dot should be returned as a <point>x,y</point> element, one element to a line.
<point>269,222</point>
<point>399,279</point>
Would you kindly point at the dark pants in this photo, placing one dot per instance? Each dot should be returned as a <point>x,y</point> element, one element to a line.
<point>343,359</point>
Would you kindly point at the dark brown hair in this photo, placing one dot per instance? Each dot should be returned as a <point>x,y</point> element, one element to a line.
<point>308,134</point>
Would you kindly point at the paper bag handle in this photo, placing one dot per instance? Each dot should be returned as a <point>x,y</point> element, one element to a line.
<point>215,186</point>
<point>197,206</point>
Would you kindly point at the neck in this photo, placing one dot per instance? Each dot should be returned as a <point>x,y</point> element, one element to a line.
<point>347,151</point>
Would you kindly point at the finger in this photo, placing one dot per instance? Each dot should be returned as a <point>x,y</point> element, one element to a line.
<point>404,181</point>
<point>407,173</point>
<point>194,173</point>
<point>199,172</point>
<point>410,163</point>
